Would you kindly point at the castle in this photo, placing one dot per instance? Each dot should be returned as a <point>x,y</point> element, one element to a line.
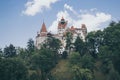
<point>62,30</point>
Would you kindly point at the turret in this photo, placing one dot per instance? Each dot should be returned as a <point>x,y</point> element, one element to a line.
<point>43,31</point>
<point>84,30</point>
<point>41,36</point>
<point>62,24</point>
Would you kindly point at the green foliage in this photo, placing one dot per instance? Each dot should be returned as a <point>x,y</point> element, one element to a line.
<point>23,54</point>
<point>113,75</point>
<point>111,44</point>
<point>94,41</point>
<point>79,46</point>
<point>68,40</point>
<point>111,35</point>
<point>87,62</point>
<point>105,67</point>
<point>104,52</point>
<point>81,74</point>
<point>30,46</point>
<point>64,55</point>
<point>74,58</point>
<point>52,43</point>
<point>105,57</point>
<point>116,60</point>
<point>1,52</point>
<point>44,61</point>
<point>12,69</point>
<point>62,71</point>
<point>33,75</point>
<point>9,51</point>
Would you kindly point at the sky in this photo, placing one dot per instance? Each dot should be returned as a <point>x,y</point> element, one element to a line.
<point>20,20</point>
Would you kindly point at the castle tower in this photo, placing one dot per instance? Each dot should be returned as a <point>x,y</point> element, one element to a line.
<point>84,30</point>
<point>43,31</point>
<point>41,36</point>
<point>62,25</point>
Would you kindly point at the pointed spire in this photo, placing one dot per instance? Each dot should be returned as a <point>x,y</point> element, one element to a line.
<point>43,29</point>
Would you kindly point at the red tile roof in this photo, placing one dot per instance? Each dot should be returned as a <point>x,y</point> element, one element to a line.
<point>72,28</point>
<point>43,29</point>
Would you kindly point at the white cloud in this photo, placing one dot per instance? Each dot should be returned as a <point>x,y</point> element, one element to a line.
<point>35,6</point>
<point>83,11</point>
<point>92,21</point>
<point>93,9</point>
<point>68,7</point>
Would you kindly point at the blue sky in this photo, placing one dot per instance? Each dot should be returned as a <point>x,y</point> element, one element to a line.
<point>18,22</point>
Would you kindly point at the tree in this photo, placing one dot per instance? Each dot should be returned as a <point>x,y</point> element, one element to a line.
<point>79,46</point>
<point>74,58</point>
<point>112,42</point>
<point>87,62</point>
<point>94,40</point>
<point>69,38</point>
<point>113,75</point>
<point>34,76</point>
<point>81,74</point>
<point>64,55</point>
<point>52,43</point>
<point>1,52</point>
<point>30,46</point>
<point>12,69</point>
<point>44,62</point>
<point>24,55</point>
<point>10,51</point>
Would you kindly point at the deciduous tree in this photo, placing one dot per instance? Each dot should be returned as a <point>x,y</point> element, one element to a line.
<point>9,51</point>
<point>12,69</point>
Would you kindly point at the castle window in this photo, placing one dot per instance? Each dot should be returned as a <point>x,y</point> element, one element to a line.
<point>62,22</point>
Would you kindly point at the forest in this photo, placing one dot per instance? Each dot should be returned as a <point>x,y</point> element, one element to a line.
<point>98,58</point>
